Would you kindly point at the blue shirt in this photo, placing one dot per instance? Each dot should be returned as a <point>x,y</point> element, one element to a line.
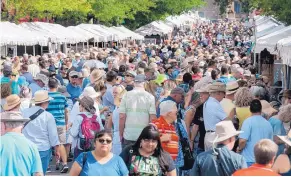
<point>42,131</point>
<point>78,64</point>
<point>254,129</point>
<point>108,99</point>
<point>57,107</point>
<point>74,91</point>
<point>278,129</point>
<point>213,113</point>
<point>86,81</point>
<point>114,167</point>
<point>19,156</point>
<point>28,77</point>
<point>14,85</point>
<point>34,87</point>
<point>225,79</point>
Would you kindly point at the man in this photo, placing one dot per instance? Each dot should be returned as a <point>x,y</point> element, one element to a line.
<point>9,78</point>
<point>254,129</point>
<point>19,156</point>
<point>177,95</point>
<point>213,112</point>
<point>225,77</point>
<point>70,66</point>
<point>74,88</point>
<point>26,74</point>
<point>220,161</point>
<point>42,130</point>
<point>78,62</point>
<point>40,83</point>
<point>129,80</point>
<point>58,107</point>
<point>211,65</point>
<point>265,153</point>
<point>12,103</point>
<point>33,67</point>
<point>136,111</point>
<point>227,102</point>
<point>150,74</point>
<point>169,137</point>
<point>108,100</point>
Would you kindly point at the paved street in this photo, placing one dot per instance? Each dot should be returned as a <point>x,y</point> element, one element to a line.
<point>57,173</point>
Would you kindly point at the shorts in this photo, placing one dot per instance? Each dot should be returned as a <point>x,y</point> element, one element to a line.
<point>62,134</point>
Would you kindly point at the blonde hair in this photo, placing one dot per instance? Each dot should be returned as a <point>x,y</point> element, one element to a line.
<point>265,150</point>
<point>284,113</point>
<point>151,87</point>
<point>121,91</point>
<point>243,97</point>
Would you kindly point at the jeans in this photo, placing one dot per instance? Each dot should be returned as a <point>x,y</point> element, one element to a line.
<point>45,157</point>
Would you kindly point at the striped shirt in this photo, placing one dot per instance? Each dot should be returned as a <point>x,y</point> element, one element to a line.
<point>172,146</point>
<point>57,107</point>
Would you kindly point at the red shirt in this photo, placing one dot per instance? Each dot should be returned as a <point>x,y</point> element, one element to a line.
<point>256,170</point>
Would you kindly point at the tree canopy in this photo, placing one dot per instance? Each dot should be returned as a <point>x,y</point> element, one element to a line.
<point>111,12</point>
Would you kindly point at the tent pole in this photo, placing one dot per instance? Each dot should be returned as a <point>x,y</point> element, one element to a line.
<point>16,50</point>
<point>83,45</point>
<point>34,50</point>
<point>76,47</point>
<point>6,50</point>
<point>25,49</point>
<point>41,50</point>
<point>87,44</point>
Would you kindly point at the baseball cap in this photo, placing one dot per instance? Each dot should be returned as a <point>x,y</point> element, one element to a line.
<point>74,73</point>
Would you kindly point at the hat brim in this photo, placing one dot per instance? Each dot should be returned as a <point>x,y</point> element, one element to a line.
<point>223,138</point>
<point>285,139</point>
<point>42,101</point>
<point>7,107</point>
<point>15,120</point>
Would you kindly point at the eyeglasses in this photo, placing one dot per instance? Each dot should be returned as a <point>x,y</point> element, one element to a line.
<point>104,141</point>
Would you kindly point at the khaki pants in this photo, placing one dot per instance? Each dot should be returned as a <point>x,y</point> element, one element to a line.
<point>208,140</point>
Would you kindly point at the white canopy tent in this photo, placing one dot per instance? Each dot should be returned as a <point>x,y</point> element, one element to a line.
<point>129,33</point>
<point>105,35</point>
<point>284,50</point>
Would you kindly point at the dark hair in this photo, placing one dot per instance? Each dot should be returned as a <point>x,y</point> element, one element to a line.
<point>195,70</point>
<point>149,132</point>
<point>141,65</point>
<point>224,69</point>
<point>242,83</point>
<point>111,75</point>
<point>215,73</point>
<point>187,77</point>
<point>191,83</point>
<point>122,68</point>
<point>42,64</point>
<point>211,63</point>
<point>24,67</point>
<point>256,106</point>
<point>5,90</point>
<point>253,70</point>
<point>102,133</point>
<point>53,83</point>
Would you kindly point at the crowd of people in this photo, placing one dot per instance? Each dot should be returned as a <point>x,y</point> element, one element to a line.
<point>192,105</point>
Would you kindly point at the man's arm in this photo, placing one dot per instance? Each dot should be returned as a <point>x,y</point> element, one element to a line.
<point>241,145</point>
<point>67,118</point>
<point>122,119</point>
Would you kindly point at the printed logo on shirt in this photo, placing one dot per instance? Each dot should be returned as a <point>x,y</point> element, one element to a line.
<point>145,166</point>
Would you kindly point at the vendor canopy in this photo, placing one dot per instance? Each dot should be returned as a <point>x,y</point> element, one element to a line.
<point>284,50</point>
<point>104,35</point>
<point>56,32</point>
<point>129,33</point>
<point>12,34</point>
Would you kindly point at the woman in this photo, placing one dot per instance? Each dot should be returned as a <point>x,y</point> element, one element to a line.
<point>113,121</point>
<point>282,164</point>
<point>5,92</point>
<point>242,100</point>
<point>277,123</point>
<point>88,110</point>
<point>147,157</point>
<point>26,96</point>
<point>16,65</point>
<point>100,161</point>
<point>96,77</point>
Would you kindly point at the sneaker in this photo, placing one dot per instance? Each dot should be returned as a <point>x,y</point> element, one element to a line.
<point>58,164</point>
<point>48,169</point>
<point>65,169</point>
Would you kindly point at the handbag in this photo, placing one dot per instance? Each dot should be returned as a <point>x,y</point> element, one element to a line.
<point>187,153</point>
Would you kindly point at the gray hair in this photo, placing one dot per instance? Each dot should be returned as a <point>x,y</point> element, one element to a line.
<point>265,150</point>
<point>13,124</point>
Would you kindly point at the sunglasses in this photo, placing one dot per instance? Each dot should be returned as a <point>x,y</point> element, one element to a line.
<point>104,141</point>
<point>74,77</point>
<point>129,76</point>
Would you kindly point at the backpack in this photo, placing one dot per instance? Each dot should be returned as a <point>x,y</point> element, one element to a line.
<point>89,127</point>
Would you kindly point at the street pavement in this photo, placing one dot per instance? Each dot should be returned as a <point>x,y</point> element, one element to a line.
<point>57,173</point>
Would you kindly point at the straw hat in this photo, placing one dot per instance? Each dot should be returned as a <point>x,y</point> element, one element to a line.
<point>231,87</point>
<point>41,96</point>
<point>13,116</point>
<point>267,108</point>
<point>217,87</point>
<point>287,138</point>
<point>88,103</point>
<point>90,92</point>
<point>225,130</point>
<point>11,102</point>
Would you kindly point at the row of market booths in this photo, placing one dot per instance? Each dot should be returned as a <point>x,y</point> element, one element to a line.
<point>157,31</point>
<point>39,37</point>
<point>273,50</point>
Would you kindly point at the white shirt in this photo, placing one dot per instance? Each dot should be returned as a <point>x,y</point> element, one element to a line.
<point>33,69</point>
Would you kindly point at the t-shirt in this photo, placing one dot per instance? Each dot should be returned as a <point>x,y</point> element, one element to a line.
<point>74,91</point>
<point>227,105</point>
<point>137,105</point>
<point>279,130</point>
<point>147,166</point>
<point>114,167</point>
<point>57,107</point>
<point>254,129</point>
<point>256,170</point>
<point>19,156</point>
<point>198,120</point>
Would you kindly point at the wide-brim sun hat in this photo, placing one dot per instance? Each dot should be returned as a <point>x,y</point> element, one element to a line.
<point>231,87</point>
<point>286,139</point>
<point>11,102</point>
<point>90,92</point>
<point>217,87</point>
<point>41,96</point>
<point>13,116</point>
<point>225,130</point>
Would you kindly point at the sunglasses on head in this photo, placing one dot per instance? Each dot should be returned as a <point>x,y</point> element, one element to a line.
<point>104,141</point>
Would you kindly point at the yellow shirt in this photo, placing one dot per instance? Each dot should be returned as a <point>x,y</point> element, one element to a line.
<point>227,105</point>
<point>242,114</point>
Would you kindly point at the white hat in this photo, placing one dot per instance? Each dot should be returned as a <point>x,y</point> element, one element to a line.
<point>41,96</point>
<point>225,130</point>
<point>287,138</point>
<point>90,91</point>
<point>13,116</point>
